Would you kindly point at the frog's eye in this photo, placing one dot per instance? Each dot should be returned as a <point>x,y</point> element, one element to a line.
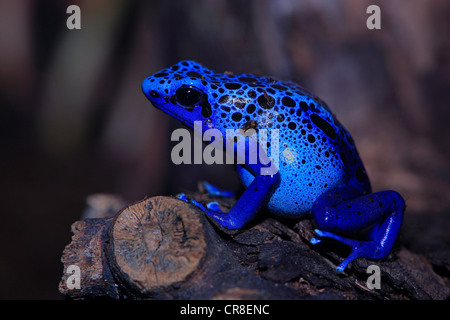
<point>188,96</point>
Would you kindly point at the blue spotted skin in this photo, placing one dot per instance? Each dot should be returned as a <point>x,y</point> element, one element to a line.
<point>320,173</point>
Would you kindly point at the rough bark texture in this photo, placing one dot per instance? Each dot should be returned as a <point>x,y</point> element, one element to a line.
<point>164,248</point>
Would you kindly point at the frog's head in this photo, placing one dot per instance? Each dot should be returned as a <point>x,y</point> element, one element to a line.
<point>180,91</point>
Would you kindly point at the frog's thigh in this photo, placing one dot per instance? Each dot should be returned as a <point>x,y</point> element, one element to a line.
<point>382,210</point>
<point>343,210</point>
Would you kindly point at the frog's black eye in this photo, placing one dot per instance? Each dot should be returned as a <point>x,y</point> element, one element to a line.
<point>188,96</point>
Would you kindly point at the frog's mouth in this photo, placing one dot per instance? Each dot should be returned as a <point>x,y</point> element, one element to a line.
<point>187,116</point>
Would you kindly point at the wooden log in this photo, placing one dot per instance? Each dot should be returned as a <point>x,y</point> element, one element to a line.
<point>165,248</point>
<point>85,254</point>
<point>159,245</point>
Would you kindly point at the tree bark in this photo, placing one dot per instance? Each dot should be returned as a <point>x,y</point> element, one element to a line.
<point>165,248</point>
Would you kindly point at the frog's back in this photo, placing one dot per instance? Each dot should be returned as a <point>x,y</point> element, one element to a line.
<point>316,153</point>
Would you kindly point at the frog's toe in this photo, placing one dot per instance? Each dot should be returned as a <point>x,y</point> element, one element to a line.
<point>362,249</point>
<point>326,234</point>
<point>182,197</point>
<point>213,206</point>
<point>354,255</point>
<point>198,205</point>
<point>214,191</point>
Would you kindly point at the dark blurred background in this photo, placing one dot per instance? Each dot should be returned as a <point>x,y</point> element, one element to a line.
<point>74,121</point>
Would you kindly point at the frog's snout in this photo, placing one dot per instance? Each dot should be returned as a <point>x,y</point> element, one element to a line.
<point>148,89</point>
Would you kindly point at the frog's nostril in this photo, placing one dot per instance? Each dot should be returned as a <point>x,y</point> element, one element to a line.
<point>154,94</point>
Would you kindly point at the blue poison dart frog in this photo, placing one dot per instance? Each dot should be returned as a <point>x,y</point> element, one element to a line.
<point>319,173</point>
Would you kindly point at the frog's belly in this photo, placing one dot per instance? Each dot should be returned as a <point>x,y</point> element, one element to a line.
<point>298,189</point>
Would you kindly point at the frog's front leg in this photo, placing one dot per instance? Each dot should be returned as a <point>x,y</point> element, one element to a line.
<point>346,211</point>
<point>256,195</point>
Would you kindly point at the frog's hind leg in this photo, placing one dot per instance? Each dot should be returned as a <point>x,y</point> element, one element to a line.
<point>334,213</point>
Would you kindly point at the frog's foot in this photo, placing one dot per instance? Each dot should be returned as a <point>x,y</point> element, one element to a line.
<point>214,191</point>
<point>225,219</point>
<point>360,249</point>
<point>213,210</point>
